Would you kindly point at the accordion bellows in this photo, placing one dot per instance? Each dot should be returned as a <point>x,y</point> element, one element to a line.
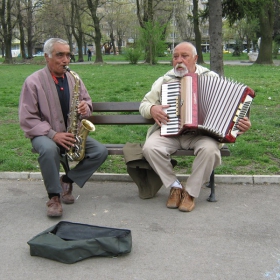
<point>68,242</point>
<point>208,104</point>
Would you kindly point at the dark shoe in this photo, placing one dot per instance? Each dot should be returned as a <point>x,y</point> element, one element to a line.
<point>187,202</point>
<point>54,207</point>
<point>66,195</point>
<point>174,198</point>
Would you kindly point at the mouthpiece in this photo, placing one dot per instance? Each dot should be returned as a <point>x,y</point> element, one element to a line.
<point>66,68</point>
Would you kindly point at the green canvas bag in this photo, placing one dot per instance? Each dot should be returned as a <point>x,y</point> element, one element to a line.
<point>68,242</point>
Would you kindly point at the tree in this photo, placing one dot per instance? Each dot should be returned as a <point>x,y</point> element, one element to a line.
<point>21,29</point>
<point>111,10</point>
<point>7,28</point>
<point>93,5</point>
<point>276,28</point>
<point>28,28</point>
<point>120,17</point>
<point>215,34</point>
<point>241,31</point>
<point>66,22</point>
<point>266,17</point>
<point>44,19</point>
<point>76,24</point>
<point>31,38</point>
<point>151,40</point>
<point>261,9</point>
<point>197,32</point>
<point>60,20</point>
<point>184,23</point>
<point>146,20</point>
<point>151,14</point>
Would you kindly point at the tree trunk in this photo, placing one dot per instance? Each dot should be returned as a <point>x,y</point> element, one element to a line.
<point>6,21</point>
<point>266,17</point>
<point>79,39</point>
<point>69,37</point>
<point>92,5</point>
<point>22,46</point>
<point>2,48</point>
<point>197,32</point>
<point>151,54</point>
<point>215,34</point>
<point>21,30</point>
<point>76,26</point>
<point>29,29</point>
<point>146,21</point>
<point>113,42</point>
<point>119,41</point>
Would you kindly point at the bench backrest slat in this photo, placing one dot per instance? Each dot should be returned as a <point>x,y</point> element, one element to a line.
<point>112,118</point>
<point>115,106</point>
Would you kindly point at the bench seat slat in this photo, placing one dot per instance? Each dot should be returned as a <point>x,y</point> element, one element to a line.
<point>119,119</point>
<point>117,149</point>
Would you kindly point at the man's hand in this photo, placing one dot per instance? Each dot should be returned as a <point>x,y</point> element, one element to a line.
<point>83,108</point>
<point>64,139</point>
<point>159,115</point>
<point>243,125</point>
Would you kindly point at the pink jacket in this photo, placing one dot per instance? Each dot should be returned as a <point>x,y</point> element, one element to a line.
<point>39,107</point>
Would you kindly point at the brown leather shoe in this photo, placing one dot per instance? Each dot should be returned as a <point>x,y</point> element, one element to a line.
<point>174,198</point>
<point>187,202</point>
<point>66,195</point>
<point>54,207</point>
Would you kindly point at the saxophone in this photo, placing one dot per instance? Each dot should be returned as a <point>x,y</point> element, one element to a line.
<point>77,152</point>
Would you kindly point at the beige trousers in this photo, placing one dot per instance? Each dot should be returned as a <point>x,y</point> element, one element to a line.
<point>158,150</point>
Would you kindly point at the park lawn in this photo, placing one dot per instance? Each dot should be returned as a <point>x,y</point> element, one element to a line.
<point>256,152</point>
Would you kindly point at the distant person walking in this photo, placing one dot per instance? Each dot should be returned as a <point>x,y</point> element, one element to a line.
<point>89,54</point>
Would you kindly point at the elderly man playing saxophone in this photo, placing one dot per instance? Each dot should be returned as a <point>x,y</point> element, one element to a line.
<point>44,107</point>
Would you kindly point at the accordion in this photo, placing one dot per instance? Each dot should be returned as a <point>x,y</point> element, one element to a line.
<point>208,104</point>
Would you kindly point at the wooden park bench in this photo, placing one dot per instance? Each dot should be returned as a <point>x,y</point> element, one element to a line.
<point>127,113</point>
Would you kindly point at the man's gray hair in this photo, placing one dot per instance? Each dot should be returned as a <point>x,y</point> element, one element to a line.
<point>48,46</point>
<point>191,45</point>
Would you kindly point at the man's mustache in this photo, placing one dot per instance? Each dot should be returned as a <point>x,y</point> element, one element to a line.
<point>181,66</point>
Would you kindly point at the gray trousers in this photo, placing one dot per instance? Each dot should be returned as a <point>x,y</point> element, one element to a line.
<point>49,161</point>
<point>158,150</point>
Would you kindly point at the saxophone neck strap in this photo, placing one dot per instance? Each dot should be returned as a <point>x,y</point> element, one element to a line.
<point>58,80</point>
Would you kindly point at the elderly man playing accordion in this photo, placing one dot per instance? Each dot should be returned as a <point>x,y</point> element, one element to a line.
<point>157,149</point>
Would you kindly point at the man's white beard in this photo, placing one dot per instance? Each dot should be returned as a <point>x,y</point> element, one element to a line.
<point>180,73</point>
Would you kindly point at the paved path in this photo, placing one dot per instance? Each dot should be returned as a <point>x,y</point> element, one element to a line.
<point>235,238</point>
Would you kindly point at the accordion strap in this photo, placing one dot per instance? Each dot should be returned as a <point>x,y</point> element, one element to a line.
<point>205,72</point>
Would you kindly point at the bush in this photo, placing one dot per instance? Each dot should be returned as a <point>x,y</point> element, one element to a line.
<point>132,55</point>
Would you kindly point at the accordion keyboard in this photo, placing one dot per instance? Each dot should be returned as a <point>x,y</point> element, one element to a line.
<point>241,113</point>
<point>171,96</point>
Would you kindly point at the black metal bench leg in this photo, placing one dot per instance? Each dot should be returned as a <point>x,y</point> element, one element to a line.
<point>64,162</point>
<point>211,185</point>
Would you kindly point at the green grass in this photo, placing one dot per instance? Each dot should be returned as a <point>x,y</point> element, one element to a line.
<point>256,152</point>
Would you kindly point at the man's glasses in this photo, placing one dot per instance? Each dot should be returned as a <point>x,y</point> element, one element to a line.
<point>62,54</point>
